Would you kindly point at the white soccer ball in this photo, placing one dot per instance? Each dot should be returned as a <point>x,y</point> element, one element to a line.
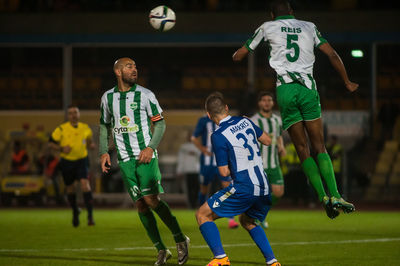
<point>162,18</point>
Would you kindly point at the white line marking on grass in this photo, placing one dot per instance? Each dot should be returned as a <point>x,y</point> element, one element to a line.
<point>205,246</point>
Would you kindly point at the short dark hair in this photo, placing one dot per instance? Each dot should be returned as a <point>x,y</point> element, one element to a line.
<point>215,104</point>
<point>280,7</point>
<point>72,106</point>
<point>265,93</point>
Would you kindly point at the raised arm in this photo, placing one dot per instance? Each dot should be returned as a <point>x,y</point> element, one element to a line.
<point>241,53</point>
<point>337,63</point>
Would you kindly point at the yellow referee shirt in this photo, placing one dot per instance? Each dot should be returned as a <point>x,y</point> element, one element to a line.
<point>75,137</point>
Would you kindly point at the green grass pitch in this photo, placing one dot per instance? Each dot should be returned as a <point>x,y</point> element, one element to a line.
<point>298,237</point>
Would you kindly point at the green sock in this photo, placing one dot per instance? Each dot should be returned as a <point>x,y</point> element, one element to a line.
<point>274,199</point>
<point>310,168</point>
<point>326,168</point>
<point>170,221</point>
<point>150,224</point>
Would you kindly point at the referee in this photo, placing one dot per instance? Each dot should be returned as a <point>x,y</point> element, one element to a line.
<point>73,139</point>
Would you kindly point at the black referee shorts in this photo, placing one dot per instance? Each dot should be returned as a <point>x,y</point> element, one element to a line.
<point>74,170</point>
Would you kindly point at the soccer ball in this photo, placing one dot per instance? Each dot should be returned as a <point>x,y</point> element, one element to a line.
<point>162,18</point>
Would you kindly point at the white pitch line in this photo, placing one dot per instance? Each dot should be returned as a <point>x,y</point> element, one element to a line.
<point>205,246</point>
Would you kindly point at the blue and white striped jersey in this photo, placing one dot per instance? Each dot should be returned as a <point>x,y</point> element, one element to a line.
<point>204,128</point>
<point>235,144</point>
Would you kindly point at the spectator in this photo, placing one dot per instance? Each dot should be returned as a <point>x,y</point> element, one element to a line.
<point>188,168</point>
<point>20,159</point>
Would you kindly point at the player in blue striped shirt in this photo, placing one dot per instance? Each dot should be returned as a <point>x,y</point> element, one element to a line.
<point>208,167</point>
<point>237,154</point>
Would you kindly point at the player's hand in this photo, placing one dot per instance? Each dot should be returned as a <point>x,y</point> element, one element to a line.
<point>146,155</point>
<point>205,151</point>
<point>92,146</point>
<point>105,162</point>
<point>282,151</point>
<point>66,149</point>
<point>351,86</point>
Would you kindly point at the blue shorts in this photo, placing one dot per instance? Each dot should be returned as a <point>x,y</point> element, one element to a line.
<point>208,173</point>
<point>234,200</point>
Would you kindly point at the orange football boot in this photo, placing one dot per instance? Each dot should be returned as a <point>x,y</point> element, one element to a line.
<point>220,262</point>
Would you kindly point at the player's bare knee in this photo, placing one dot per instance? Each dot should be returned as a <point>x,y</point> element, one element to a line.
<point>246,222</point>
<point>142,206</point>
<point>204,214</point>
<point>198,217</point>
<point>152,201</point>
<point>278,192</point>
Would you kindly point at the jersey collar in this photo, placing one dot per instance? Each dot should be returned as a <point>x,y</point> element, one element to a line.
<point>284,17</point>
<point>225,119</point>
<point>264,116</point>
<point>133,88</point>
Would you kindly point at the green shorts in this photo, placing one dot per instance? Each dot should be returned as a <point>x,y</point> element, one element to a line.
<point>297,103</point>
<point>275,176</point>
<point>141,179</point>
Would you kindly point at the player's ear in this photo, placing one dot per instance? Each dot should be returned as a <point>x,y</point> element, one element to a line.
<point>117,72</point>
<point>226,108</point>
<point>209,116</point>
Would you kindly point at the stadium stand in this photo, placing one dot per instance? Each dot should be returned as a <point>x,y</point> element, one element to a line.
<point>384,171</point>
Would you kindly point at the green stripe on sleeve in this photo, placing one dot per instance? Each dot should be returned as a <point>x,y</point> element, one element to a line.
<point>138,121</point>
<point>250,40</point>
<point>319,36</point>
<point>110,98</point>
<point>154,109</point>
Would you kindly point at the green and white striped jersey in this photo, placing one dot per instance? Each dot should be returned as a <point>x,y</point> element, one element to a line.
<point>273,127</point>
<point>291,45</point>
<point>129,114</point>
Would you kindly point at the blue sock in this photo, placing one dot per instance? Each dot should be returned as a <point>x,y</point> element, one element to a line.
<point>202,198</point>
<point>211,235</point>
<point>261,240</point>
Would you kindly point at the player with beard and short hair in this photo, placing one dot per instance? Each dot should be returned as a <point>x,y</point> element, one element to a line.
<point>129,110</point>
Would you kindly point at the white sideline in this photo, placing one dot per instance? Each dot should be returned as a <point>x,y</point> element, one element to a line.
<point>205,246</point>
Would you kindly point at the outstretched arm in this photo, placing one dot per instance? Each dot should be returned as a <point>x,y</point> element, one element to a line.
<point>241,53</point>
<point>337,63</point>
<point>265,139</point>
